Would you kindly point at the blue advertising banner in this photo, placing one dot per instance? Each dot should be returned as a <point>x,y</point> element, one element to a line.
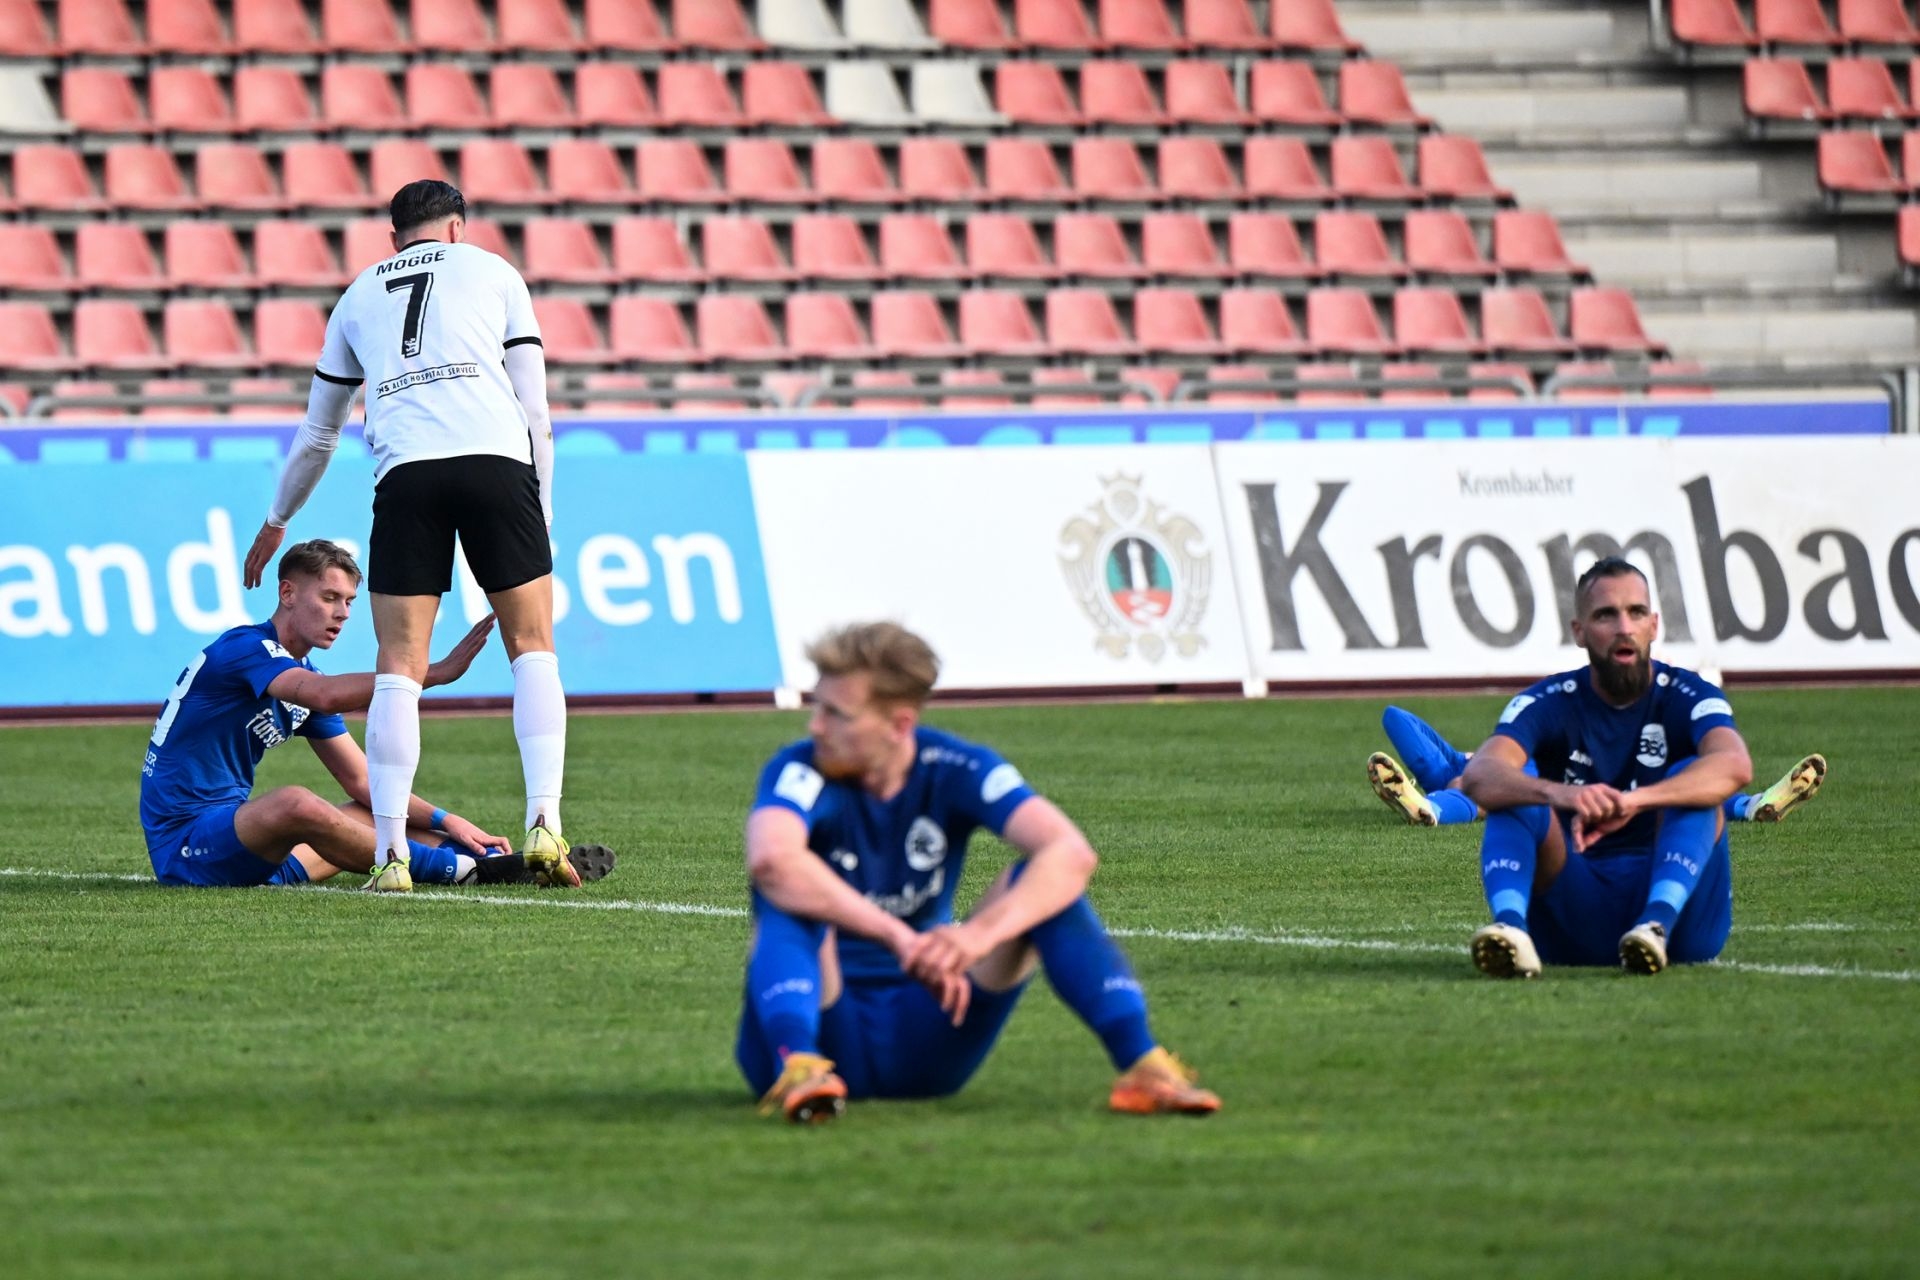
<point>113,574</point>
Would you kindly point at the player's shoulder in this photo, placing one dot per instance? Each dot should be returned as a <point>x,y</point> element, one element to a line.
<point>1548,692</point>
<point>965,766</point>
<point>938,749</point>
<point>246,638</point>
<point>790,776</point>
<point>1691,689</point>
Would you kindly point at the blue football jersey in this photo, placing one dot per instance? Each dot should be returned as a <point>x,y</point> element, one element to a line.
<point>218,722</point>
<point>905,854</point>
<point>1575,737</point>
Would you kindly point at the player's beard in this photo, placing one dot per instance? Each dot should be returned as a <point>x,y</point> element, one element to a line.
<point>1623,684</point>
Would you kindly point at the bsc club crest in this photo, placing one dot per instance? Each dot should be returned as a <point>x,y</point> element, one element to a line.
<point>1140,572</point>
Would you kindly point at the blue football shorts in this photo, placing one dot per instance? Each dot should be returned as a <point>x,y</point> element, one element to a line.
<point>890,1039</point>
<point>206,851</point>
<point>1593,901</point>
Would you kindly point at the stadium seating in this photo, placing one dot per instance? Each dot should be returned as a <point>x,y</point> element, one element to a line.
<point>30,259</point>
<point>115,256</point>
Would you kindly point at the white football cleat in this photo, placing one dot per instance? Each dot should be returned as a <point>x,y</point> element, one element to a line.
<point>1801,784</point>
<point>1502,951</point>
<point>390,877</point>
<point>1643,949</point>
<point>1397,791</point>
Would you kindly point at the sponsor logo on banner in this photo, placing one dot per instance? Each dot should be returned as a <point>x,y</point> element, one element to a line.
<point>1140,572</point>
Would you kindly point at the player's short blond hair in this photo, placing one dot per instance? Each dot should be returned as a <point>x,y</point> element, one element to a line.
<point>902,665</point>
<point>312,558</point>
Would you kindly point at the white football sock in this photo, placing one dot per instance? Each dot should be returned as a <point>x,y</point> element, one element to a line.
<point>393,754</point>
<point>540,724</point>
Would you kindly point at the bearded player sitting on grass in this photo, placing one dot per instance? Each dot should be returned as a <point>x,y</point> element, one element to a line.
<point>253,689</point>
<point>859,982</point>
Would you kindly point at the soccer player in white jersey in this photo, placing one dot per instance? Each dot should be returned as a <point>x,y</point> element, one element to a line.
<point>444,336</point>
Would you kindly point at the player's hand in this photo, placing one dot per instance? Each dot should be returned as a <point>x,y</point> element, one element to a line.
<point>921,955</point>
<point>461,656</point>
<point>472,838</point>
<point>1595,802</point>
<point>946,950</point>
<point>1587,833</point>
<point>265,543</point>
<point>1595,822</point>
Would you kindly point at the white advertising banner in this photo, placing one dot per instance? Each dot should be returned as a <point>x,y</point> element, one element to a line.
<point>1033,568</point>
<point>1447,559</point>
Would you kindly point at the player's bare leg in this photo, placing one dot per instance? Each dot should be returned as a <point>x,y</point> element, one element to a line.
<point>290,820</point>
<point>511,868</point>
<point>525,613</point>
<point>404,627</point>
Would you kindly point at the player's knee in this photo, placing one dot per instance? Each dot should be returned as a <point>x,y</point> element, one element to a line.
<point>299,812</point>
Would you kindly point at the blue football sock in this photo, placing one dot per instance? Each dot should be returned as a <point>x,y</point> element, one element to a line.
<point>783,978</point>
<point>1092,977</point>
<point>1452,807</point>
<point>433,864</point>
<point>291,872</point>
<point>1680,852</point>
<point>1428,756</point>
<point>1508,853</point>
<point>1737,806</point>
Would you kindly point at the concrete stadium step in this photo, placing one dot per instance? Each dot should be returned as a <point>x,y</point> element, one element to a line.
<point>1749,335</point>
<point>1714,261</point>
<point>1626,182</point>
<point>1506,111</point>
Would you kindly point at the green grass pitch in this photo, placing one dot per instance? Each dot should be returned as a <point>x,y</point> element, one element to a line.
<point>323,1083</point>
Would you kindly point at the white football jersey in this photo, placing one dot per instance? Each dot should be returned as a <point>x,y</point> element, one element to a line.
<point>426,331</point>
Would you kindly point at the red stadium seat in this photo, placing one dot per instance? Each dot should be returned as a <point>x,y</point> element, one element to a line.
<point>50,176</point>
<point>1005,246</point>
<point>231,175</point>
<point>613,94</point>
<point>539,26</point>
<point>450,26</point>
<point>1308,374</point>
<point>1344,320</point>
<point>1079,393</point>
<point>1083,322</point>
<point>764,169</point>
<point>1376,93</point>
<point>322,175</point>
<point>651,249</point>
<point>829,246</point>
<point>1287,91</point>
<point>292,253</point>
<point>1780,89</point>
<point>695,94</point>
<point>1054,24</point>
<point>1712,22</point>
<point>908,323</point>
<point>1114,91</point>
<point>442,95</point>
<point>187,100</point>
<point>998,322</point>
<point>1033,93</point>
<point>1282,168</point>
<point>881,380</point>
<point>1909,235</point>
<point>1432,320</point>
<point>166,389</point>
<point>527,95</point>
<point>1367,167</point>
<point>675,170</point>
<point>1877,22</point>
<point>1224,24</point>
<point>741,248</point>
<point>1518,320</point>
<point>1512,372</point>
<point>1266,244</point>
<point>1793,22</point>
<point>1110,169</point>
<point>109,333</point>
<point>288,331</point>
<point>1311,24</point>
<point>1607,320</point>
<point>499,171</point>
<point>1240,373</point>
<point>102,100</point>
<point>1257,321</point>
<point>1348,242</point>
<point>1528,240</point>
<point>650,330</point>
<point>1454,166</point>
<point>186,26</point>
<point>30,258</point>
<point>1023,169</point>
<point>115,255</point>
<point>563,251</point>
<point>268,99</point>
<point>1180,244</point>
<point>1909,158</point>
<point>1139,24</point>
<point>850,169</point>
<point>265,387</point>
<point>75,388</point>
<point>143,177</point>
<point>972,378</point>
<point>206,254</point>
<point>361,26</point>
<point>781,94</point>
<point>1863,88</point>
<point>28,336</point>
<point>917,246</point>
<point>968,24</point>
<point>568,334</point>
<point>394,162</point>
<point>709,403</point>
<point>935,169</point>
<point>715,24</point>
<point>1200,91</point>
<point>1441,242</point>
<point>360,95</point>
<point>1092,244</point>
<point>482,234</point>
<point>273,26</point>
<point>100,27</point>
<point>1173,321</point>
<point>732,326</point>
<point>1194,168</point>
<point>824,326</point>
<point>365,242</point>
<point>203,333</point>
<point>628,26</point>
<point>586,171</point>
<point>24,32</point>
<point>1855,162</point>
<point>1409,371</point>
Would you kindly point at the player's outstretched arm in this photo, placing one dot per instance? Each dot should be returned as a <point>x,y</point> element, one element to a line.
<point>353,691</point>
<point>328,403</point>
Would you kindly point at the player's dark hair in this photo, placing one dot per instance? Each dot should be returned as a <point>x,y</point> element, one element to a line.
<point>903,666</point>
<point>427,200</point>
<point>313,558</point>
<point>1605,567</point>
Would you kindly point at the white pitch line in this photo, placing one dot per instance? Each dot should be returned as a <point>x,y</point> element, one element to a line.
<point>1305,941</point>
